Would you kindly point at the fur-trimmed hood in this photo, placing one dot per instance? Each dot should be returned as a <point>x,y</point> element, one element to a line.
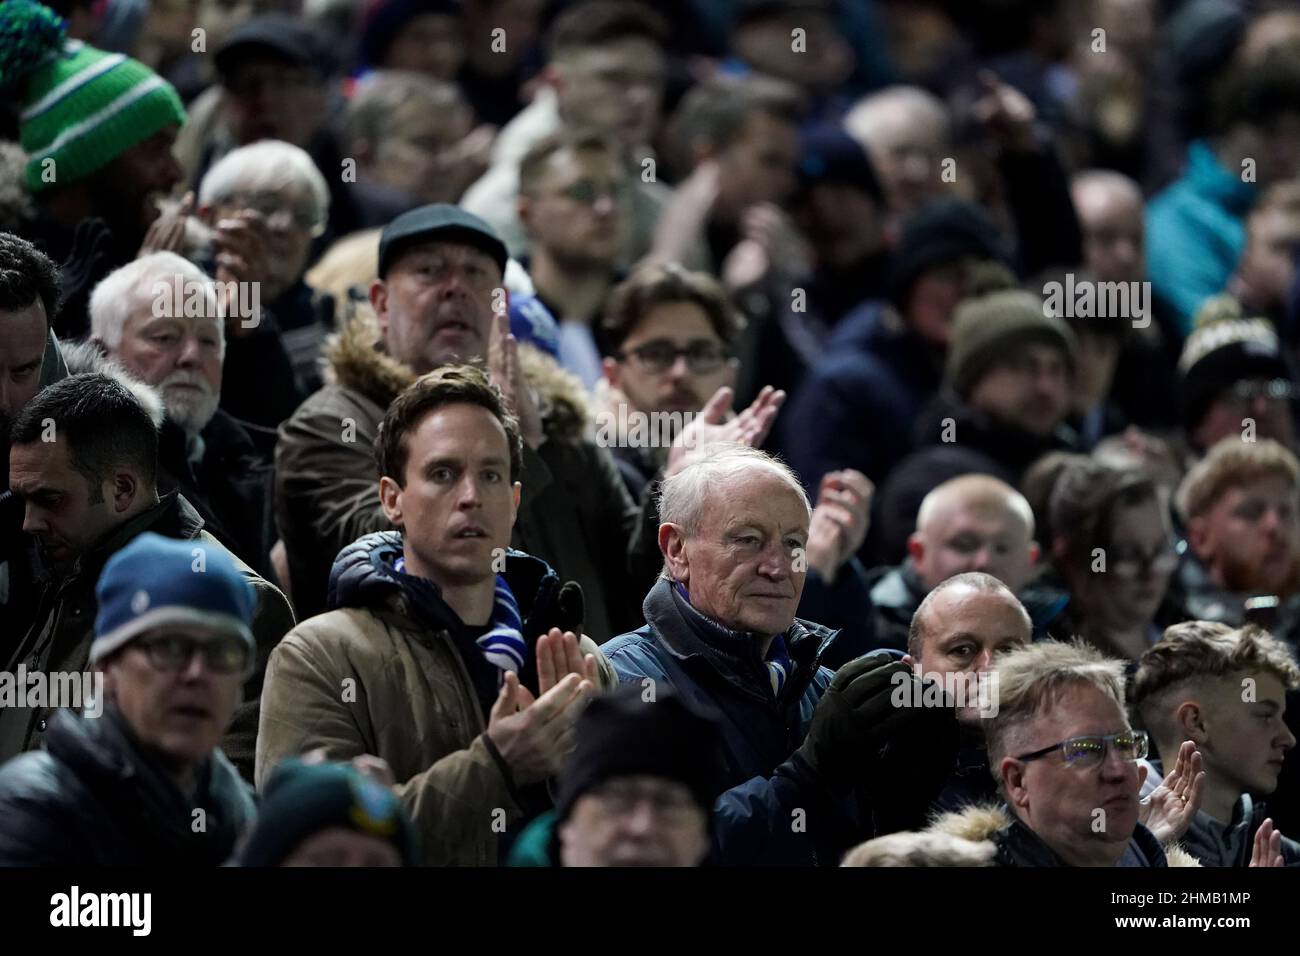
<point>980,823</point>
<point>356,360</point>
<point>85,357</point>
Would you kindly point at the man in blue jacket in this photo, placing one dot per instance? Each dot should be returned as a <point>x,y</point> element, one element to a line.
<point>813,760</point>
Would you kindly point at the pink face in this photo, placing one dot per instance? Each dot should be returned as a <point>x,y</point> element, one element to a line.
<point>1250,538</point>
<point>182,357</point>
<point>1246,737</point>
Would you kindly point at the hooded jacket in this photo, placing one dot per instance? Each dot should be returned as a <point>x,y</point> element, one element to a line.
<point>94,797</point>
<point>574,513</point>
<point>60,638</point>
<point>1215,844</point>
<point>382,674</point>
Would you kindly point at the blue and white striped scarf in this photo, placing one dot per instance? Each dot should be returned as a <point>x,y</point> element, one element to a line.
<point>503,644</point>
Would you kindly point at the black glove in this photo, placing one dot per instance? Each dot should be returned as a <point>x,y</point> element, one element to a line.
<point>914,766</point>
<point>854,720</point>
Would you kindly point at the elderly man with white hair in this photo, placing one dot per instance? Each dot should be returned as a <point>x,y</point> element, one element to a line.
<point>804,749</point>
<point>274,190</point>
<point>161,319</point>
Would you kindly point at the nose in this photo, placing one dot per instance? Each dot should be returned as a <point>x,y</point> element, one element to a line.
<point>604,204</point>
<point>679,369</point>
<point>640,819</point>
<point>196,668</point>
<point>6,404</point>
<point>775,563</point>
<point>33,522</point>
<point>469,493</point>
<point>984,661</point>
<point>190,352</point>
<point>1114,766</point>
<point>980,560</point>
<point>1288,738</point>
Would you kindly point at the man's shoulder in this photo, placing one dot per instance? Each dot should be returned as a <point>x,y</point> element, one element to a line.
<point>345,632</point>
<point>36,777</point>
<point>635,654</point>
<point>328,399</point>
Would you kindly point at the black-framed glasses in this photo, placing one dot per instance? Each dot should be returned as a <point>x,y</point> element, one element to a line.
<point>173,652</point>
<point>702,356</point>
<point>1090,749</point>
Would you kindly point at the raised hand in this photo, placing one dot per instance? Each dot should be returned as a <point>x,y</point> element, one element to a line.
<point>1168,810</point>
<point>534,737</point>
<point>506,372</point>
<point>711,427</point>
<point>1267,850</point>
<point>558,656</point>
<point>839,521</point>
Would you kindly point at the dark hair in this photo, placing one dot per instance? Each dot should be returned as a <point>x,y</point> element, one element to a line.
<point>448,385</point>
<point>533,166</point>
<point>102,421</point>
<point>1257,94</point>
<point>27,274</point>
<point>594,23</point>
<point>716,111</point>
<point>1084,499</point>
<point>632,299</point>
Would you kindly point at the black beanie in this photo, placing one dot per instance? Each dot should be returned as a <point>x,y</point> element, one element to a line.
<point>649,731</point>
<point>1225,348</point>
<point>302,799</point>
<point>942,231</point>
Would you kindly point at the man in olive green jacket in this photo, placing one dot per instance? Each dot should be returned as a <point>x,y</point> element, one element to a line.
<point>449,656</point>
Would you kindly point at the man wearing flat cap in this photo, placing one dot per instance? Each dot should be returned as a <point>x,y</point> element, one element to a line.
<point>137,779</point>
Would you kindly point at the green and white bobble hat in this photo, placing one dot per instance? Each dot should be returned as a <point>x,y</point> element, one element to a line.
<point>81,107</point>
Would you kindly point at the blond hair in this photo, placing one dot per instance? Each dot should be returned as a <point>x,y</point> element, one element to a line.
<point>1229,464</point>
<point>1031,679</point>
<point>1195,651</point>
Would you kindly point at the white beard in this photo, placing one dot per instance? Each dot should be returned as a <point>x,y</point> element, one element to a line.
<point>189,410</point>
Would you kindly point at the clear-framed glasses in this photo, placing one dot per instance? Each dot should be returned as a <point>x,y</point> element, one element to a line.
<point>1129,563</point>
<point>1090,749</point>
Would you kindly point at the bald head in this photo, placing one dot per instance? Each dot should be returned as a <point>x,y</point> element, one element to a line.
<point>974,523</point>
<point>1110,210</point>
<point>963,624</point>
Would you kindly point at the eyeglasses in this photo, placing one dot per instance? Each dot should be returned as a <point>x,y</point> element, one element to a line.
<point>588,193</point>
<point>270,205</point>
<point>701,356</point>
<point>1089,751</point>
<point>173,652</point>
<point>1276,390</point>
<point>1128,564</point>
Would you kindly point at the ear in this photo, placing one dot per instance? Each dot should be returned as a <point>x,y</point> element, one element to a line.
<point>363,151</point>
<point>1191,721</point>
<point>1034,552</point>
<point>1060,547</point>
<point>1198,536</point>
<point>516,492</point>
<point>126,489</point>
<point>915,547</point>
<point>1012,774</point>
<point>672,542</point>
<point>610,367</point>
<point>379,302</point>
<point>390,499</point>
<point>524,207</point>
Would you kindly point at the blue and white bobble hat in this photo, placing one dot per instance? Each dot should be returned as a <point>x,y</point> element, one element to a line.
<point>156,581</point>
<point>532,322</point>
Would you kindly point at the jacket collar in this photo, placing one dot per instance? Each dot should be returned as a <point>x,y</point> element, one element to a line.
<point>1019,846</point>
<point>733,655</point>
<point>171,517</point>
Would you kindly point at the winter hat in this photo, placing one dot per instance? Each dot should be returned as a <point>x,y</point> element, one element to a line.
<point>81,107</point>
<point>942,231</point>
<point>383,20</point>
<point>156,581</point>
<point>622,734</point>
<point>1225,348</point>
<point>279,36</point>
<point>986,329</point>
<point>532,322</point>
<point>301,799</point>
<point>830,155</point>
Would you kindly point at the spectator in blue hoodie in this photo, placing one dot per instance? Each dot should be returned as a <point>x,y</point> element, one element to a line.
<point>1196,227</point>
